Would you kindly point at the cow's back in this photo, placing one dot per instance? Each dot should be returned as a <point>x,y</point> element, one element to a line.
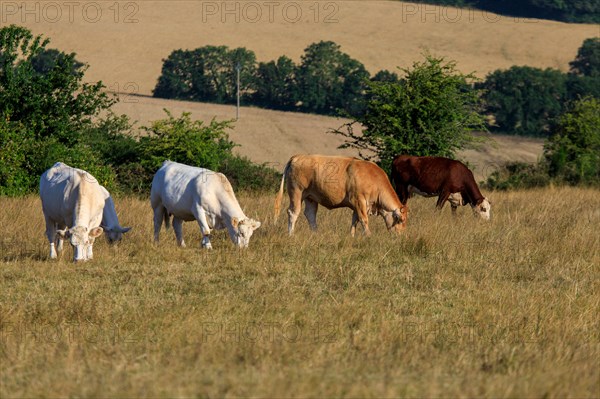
<point>180,187</point>
<point>60,191</point>
<point>429,174</point>
<point>321,178</point>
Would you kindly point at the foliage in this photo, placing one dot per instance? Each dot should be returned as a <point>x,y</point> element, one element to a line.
<point>275,84</point>
<point>48,59</point>
<point>329,80</point>
<point>183,140</point>
<point>206,74</point>
<point>518,175</point>
<point>573,152</point>
<point>523,99</point>
<point>23,158</point>
<point>587,61</point>
<point>569,11</point>
<point>55,103</point>
<point>249,176</point>
<point>430,111</point>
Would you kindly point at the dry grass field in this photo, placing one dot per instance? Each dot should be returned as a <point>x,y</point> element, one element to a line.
<point>456,307</point>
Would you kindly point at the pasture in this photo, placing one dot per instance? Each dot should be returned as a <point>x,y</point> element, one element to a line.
<point>455,307</point>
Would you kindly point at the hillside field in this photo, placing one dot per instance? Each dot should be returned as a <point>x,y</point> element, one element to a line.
<point>455,307</point>
<point>272,137</point>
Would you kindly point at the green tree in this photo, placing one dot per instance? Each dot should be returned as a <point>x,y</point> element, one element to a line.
<point>430,111</point>
<point>523,100</point>
<point>206,74</point>
<point>48,59</point>
<point>275,85</point>
<point>573,152</point>
<point>52,104</point>
<point>329,80</point>
<point>587,61</point>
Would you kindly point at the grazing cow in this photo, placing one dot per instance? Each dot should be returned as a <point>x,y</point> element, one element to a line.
<point>336,182</point>
<point>445,178</point>
<point>110,222</point>
<point>73,202</point>
<point>190,193</point>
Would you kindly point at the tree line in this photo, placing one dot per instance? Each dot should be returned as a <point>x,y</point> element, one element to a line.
<point>587,11</point>
<point>326,81</point>
<point>521,100</point>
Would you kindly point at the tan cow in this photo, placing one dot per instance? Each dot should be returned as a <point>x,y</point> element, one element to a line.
<point>337,182</point>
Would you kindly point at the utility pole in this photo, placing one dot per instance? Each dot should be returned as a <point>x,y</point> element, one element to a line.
<point>237,109</point>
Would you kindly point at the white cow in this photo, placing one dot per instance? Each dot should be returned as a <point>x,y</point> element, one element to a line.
<point>189,193</point>
<point>74,203</point>
<point>110,222</point>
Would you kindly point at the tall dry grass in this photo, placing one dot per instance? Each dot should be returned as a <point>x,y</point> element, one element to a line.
<point>454,308</point>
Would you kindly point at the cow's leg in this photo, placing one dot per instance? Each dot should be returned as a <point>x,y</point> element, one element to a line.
<point>294,209</point>
<point>178,228</point>
<point>453,207</point>
<point>89,251</point>
<point>354,223</point>
<point>363,216</point>
<point>310,211</point>
<point>200,216</point>
<point>442,198</point>
<point>51,235</point>
<point>159,214</point>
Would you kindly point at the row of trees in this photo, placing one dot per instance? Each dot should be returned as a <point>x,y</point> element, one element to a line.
<point>568,11</point>
<point>326,80</point>
<point>524,100</point>
<point>48,114</point>
<point>521,100</point>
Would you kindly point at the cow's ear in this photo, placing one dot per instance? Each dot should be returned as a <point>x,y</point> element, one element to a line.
<point>63,234</point>
<point>235,222</point>
<point>125,229</point>
<point>96,232</point>
<point>255,224</point>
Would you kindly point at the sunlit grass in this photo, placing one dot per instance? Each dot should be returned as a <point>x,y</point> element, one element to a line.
<point>455,307</point>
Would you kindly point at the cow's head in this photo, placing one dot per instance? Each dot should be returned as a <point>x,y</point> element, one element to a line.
<point>243,230</point>
<point>80,238</point>
<point>396,220</point>
<point>115,234</point>
<point>483,209</point>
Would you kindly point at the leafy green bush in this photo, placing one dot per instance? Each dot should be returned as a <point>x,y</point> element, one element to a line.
<point>430,111</point>
<point>573,152</point>
<point>246,175</point>
<point>518,175</point>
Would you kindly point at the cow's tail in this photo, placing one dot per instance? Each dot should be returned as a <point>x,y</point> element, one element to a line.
<point>277,207</point>
<point>166,219</point>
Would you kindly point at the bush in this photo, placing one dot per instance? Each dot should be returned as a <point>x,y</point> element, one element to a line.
<point>518,175</point>
<point>573,152</point>
<point>430,111</point>
<point>245,175</point>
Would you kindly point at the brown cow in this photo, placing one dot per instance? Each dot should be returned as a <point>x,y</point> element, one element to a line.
<point>337,182</point>
<point>445,178</point>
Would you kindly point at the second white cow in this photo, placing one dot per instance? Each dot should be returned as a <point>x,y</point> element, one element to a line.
<point>190,193</point>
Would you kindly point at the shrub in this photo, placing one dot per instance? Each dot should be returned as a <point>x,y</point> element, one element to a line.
<point>573,152</point>
<point>518,175</point>
<point>430,111</point>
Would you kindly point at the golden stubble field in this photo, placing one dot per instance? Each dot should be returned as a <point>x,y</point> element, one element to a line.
<point>455,307</point>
